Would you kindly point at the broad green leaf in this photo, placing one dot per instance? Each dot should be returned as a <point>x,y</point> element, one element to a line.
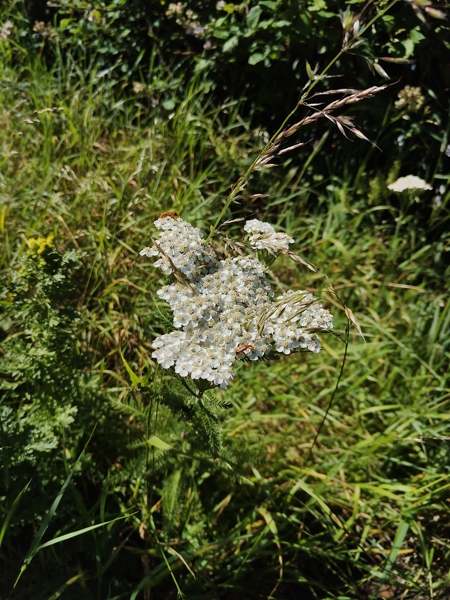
<point>253,17</point>
<point>231,43</point>
<point>64,23</point>
<point>169,104</point>
<point>229,8</point>
<point>157,442</point>
<point>269,4</point>
<point>221,34</point>
<point>254,59</point>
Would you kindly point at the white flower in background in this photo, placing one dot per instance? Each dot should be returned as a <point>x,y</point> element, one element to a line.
<point>410,182</point>
<point>226,312</point>
<point>138,87</point>
<point>266,238</point>
<point>5,30</point>
<point>410,99</point>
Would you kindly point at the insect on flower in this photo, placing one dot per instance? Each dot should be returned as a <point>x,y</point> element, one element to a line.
<point>168,214</point>
<point>244,348</point>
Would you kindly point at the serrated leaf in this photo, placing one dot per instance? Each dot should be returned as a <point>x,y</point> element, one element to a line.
<point>172,491</point>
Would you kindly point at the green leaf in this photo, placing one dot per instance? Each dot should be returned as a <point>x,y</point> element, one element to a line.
<point>73,534</point>
<point>416,35</point>
<point>400,535</point>
<point>253,17</point>
<point>135,380</point>
<point>48,517</point>
<point>168,104</point>
<point>254,59</point>
<point>281,23</point>
<point>221,34</point>
<point>64,23</point>
<point>309,71</point>
<point>231,43</point>
<point>171,497</point>
<point>409,47</point>
<point>317,5</point>
<point>11,512</point>
<point>269,4</point>
<point>157,442</point>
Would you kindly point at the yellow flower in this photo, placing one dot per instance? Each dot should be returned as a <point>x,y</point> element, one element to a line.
<point>40,244</point>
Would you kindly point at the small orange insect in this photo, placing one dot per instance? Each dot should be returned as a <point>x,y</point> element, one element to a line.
<point>246,347</point>
<point>168,214</point>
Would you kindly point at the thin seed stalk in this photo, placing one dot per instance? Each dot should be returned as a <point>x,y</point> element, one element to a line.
<point>244,179</point>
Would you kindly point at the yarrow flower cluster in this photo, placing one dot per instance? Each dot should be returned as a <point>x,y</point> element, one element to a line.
<point>410,98</point>
<point>265,238</point>
<point>187,18</point>
<point>225,311</point>
<point>410,182</point>
<point>181,247</point>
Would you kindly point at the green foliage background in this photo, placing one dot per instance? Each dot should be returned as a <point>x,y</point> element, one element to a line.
<point>214,495</point>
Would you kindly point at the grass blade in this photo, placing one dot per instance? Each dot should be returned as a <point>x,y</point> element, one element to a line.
<point>11,512</point>
<point>46,522</point>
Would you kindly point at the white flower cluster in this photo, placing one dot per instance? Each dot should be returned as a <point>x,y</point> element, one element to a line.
<point>187,18</point>
<point>410,182</point>
<point>5,30</point>
<point>226,313</point>
<point>181,247</point>
<point>265,237</point>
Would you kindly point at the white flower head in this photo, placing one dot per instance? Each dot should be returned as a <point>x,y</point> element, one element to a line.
<point>227,313</point>
<point>410,182</point>
<point>256,226</point>
<point>180,247</point>
<point>266,238</point>
<point>5,29</point>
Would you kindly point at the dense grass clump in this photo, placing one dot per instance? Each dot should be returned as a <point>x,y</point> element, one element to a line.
<point>231,499</point>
